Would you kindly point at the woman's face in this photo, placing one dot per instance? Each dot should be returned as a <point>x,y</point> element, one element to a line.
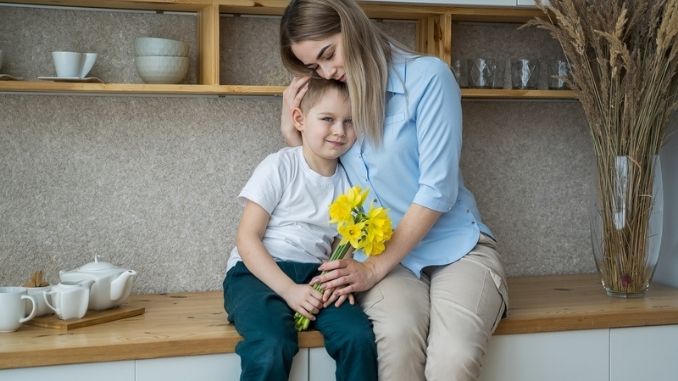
<point>324,56</point>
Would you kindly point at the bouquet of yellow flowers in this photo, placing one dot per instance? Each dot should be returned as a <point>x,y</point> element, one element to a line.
<point>362,231</point>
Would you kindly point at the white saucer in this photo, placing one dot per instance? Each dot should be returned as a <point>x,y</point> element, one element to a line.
<point>71,79</point>
<point>7,77</point>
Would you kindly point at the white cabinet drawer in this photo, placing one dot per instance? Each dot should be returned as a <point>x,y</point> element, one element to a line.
<point>100,371</point>
<point>644,353</point>
<point>219,367</point>
<point>553,356</point>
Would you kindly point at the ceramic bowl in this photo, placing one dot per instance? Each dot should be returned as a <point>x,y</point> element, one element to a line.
<point>153,46</point>
<point>162,69</point>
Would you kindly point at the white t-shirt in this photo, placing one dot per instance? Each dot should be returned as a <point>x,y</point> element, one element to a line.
<point>298,199</point>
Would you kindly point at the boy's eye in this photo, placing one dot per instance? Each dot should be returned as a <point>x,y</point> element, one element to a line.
<point>327,119</point>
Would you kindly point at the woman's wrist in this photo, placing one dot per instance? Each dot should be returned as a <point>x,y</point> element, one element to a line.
<point>292,137</point>
<point>376,270</point>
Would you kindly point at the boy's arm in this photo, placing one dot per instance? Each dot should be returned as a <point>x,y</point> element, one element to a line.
<point>301,298</point>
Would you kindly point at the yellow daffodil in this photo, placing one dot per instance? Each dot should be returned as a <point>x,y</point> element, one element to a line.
<point>351,233</point>
<point>373,247</point>
<point>356,196</point>
<point>341,211</point>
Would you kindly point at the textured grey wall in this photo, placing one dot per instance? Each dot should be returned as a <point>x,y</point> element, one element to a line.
<point>150,182</point>
<point>145,182</point>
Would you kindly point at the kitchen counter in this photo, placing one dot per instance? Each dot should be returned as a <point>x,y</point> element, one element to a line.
<point>194,323</point>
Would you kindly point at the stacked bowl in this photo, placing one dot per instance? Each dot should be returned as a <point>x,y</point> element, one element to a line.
<point>161,60</point>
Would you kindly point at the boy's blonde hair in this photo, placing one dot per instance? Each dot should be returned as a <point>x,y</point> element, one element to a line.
<point>367,54</point>
<point>317,87</point>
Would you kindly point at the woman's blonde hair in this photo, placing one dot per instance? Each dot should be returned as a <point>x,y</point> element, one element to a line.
<point>367,54</point>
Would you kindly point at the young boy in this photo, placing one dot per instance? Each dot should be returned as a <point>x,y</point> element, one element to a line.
<point>283,236</point>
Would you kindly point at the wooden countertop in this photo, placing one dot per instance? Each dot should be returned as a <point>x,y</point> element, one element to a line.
<point>195,323</point>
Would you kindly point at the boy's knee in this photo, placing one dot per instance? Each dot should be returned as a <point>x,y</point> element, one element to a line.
<point>360,337</point>
<point>268,353</point>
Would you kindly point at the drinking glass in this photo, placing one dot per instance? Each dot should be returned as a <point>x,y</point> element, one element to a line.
<point>481,72</point>
<point>558,72</point>
<point>524,73</point>
<point>460,72</point>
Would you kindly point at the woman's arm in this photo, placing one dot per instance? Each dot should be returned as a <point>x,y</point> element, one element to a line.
<point>348,276</point>
<point>301,298</point>
<point>438,126</point>
<point>292,97</point>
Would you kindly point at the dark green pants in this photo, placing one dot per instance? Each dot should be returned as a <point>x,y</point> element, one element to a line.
<point>266,324</point>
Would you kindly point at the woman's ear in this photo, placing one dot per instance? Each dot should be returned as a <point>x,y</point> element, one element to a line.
<point>298,119</point>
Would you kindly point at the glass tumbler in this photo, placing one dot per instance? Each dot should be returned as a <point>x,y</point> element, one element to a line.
<point>558,72</point>
<point>482,72</point>
<point>460,72</point>
<point>524,73</point>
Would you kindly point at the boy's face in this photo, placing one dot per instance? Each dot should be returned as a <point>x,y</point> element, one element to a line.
<point>327,128</point>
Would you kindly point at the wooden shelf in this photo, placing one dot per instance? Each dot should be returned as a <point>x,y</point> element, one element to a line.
<point>516,94</point>
<point>154,5</point>
<point>189,89</point>
<point>504,15</point>
<point>137,88</point>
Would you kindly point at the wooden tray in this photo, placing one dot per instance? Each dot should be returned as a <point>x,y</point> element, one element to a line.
<point>91,318</point>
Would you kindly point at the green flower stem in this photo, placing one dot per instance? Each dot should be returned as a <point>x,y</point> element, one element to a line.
<point>301,322</point>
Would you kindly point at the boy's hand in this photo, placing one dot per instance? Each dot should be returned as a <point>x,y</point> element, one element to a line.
<point>304,299</point>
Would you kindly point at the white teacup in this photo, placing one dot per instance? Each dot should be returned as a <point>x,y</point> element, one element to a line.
<point>36,292</point>
<point>12,308</point>
<point>73,64</point>
<point>69,300</point>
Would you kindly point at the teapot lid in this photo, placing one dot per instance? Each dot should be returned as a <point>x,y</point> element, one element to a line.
<point>97,265</point>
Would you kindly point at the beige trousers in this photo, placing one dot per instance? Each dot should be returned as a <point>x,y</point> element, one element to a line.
<point>437,327</point>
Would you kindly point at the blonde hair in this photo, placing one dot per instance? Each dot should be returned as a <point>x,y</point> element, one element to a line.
<point>317,87</point>
<point>367,54</point>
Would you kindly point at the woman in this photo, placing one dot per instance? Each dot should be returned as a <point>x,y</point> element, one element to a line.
<point>437,293</point>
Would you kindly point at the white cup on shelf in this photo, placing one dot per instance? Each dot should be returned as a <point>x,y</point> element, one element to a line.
<point>12,308</point>
<point>73,64</point>
<point>69,300</point>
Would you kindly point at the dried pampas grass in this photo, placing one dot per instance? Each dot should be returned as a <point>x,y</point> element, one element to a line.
<point>623,58</point>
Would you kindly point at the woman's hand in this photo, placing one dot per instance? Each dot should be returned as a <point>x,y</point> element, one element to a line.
<point>330,297</point>
<point>344,277</point>
<point>304,299</point>
<point>292,97</point>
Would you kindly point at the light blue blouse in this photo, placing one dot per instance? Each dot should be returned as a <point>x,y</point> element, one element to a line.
<point>418,160</point>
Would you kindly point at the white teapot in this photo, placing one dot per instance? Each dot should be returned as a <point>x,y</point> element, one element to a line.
<point>112,284</point>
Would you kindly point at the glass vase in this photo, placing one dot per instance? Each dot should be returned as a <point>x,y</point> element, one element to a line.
<point>626,223</point>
